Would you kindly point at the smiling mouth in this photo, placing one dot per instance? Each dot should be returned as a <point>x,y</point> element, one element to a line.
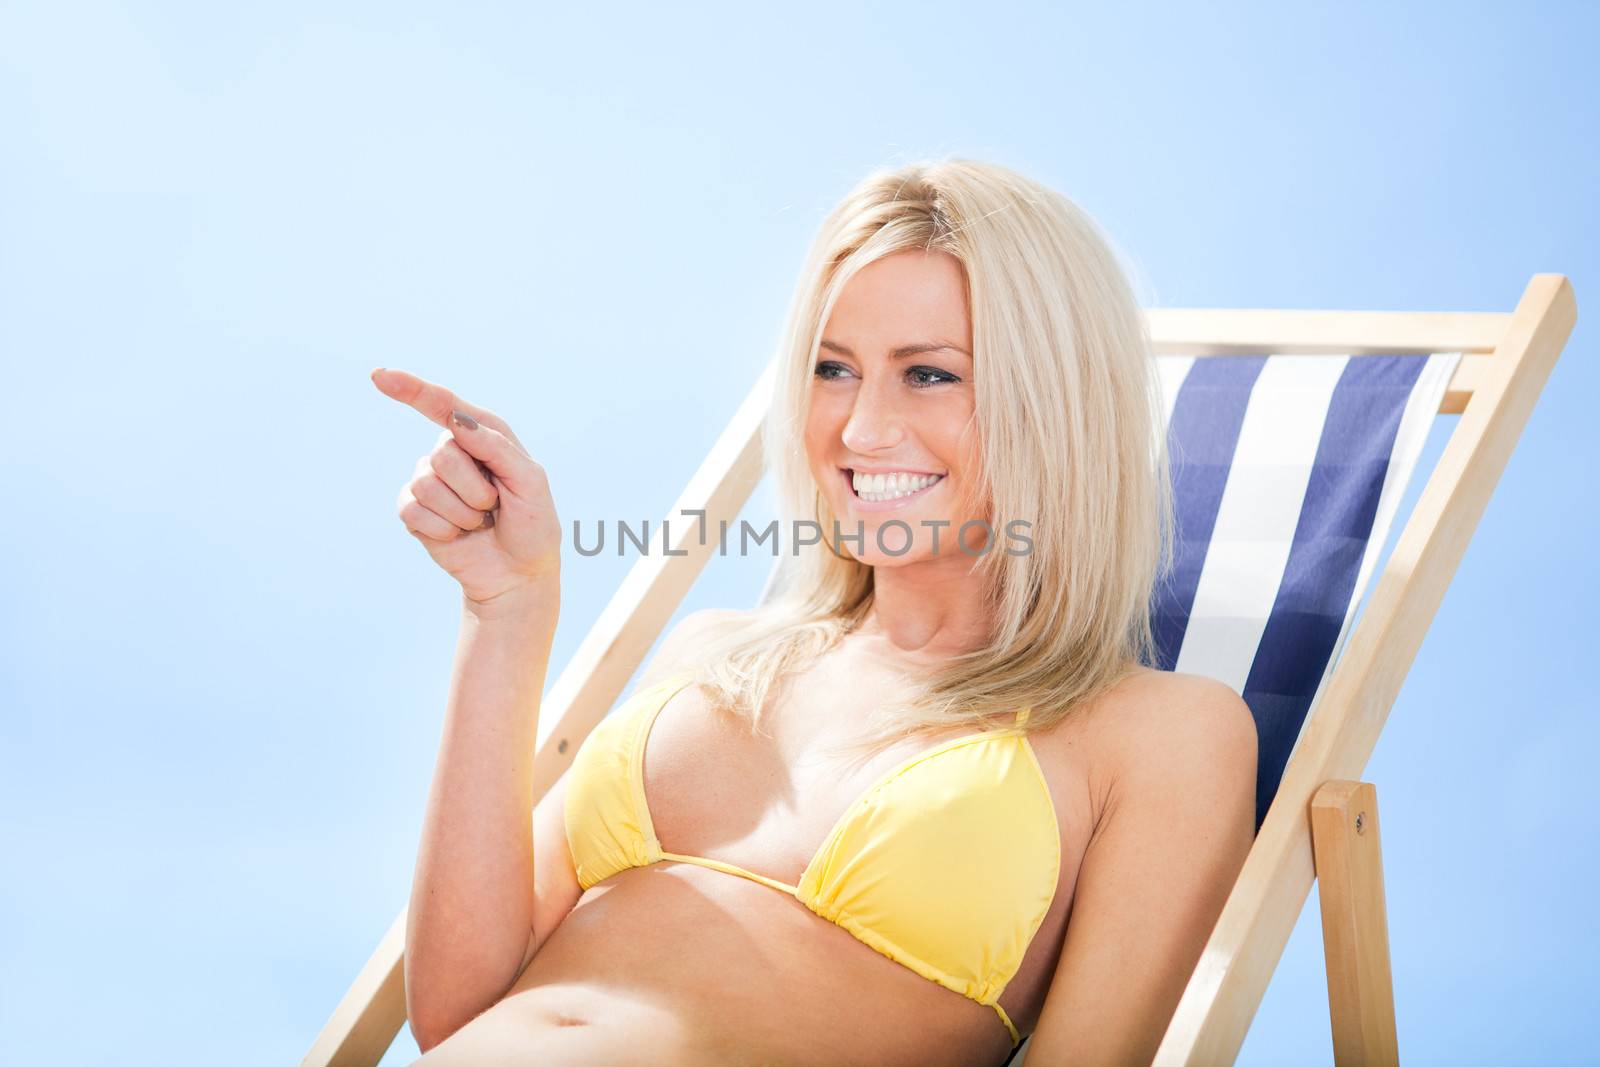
<point>883,488</point>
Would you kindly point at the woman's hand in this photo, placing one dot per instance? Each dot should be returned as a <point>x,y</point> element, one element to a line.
<point>477,502</point>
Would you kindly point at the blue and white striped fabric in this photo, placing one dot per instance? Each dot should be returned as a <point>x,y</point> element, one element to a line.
<point>1287,472</point>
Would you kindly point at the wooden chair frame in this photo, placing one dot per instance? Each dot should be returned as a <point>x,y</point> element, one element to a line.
<point>1312,827</point>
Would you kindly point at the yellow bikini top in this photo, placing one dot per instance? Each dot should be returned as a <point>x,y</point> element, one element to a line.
<point>947,864</point>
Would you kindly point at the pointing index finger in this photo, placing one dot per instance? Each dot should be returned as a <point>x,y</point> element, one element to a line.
<point>434,401</point>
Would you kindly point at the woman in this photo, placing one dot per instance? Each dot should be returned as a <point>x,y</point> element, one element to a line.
<point>870,806</point>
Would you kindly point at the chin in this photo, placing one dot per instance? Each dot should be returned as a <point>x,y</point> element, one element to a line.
<point>876,559</point>
<point>920,549</point>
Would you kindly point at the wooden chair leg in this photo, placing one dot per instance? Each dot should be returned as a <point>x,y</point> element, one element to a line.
<point>1355,925</point>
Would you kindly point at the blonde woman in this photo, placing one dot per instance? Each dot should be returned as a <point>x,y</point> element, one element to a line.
<point>926,800</point>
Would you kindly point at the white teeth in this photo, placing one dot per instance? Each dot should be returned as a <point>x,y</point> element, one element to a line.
<point>893,486</point>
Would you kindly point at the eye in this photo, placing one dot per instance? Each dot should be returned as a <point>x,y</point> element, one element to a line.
<point>829,370</point>
<point>923,377</point>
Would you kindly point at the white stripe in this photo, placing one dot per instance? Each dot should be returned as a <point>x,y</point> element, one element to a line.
<point>1259,512</point>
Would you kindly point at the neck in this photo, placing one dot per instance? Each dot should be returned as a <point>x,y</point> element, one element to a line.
<point>928,611</point>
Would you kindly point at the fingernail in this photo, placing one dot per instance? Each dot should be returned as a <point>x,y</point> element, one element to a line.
<point>488,520</point>
<point>463,420</point>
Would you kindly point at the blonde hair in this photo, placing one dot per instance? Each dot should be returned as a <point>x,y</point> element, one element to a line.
<point>1070,425</point>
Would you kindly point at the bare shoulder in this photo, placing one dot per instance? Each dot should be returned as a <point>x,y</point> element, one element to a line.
<point>1178,728</point>
<point>693,628</point>
<point>1167,709</point>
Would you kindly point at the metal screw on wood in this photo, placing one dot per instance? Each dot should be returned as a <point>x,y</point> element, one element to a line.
<point>1361,821</point>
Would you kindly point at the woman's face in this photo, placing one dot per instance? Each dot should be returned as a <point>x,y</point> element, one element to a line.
<point>891,433</point>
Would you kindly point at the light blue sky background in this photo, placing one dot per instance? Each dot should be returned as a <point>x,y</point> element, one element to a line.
<point>223,662</point>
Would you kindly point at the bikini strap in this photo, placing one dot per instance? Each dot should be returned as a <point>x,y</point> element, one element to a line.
<point>1022,716</point>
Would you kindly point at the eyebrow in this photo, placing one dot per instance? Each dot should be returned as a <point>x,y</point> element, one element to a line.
<point>903,350</point>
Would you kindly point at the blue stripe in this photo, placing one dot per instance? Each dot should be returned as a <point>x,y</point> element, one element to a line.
<point>1324,560</point>
<point>1202,435</point>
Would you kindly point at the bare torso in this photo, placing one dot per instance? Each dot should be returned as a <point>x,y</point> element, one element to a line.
<point>678,964</point>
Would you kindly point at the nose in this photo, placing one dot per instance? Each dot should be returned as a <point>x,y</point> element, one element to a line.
<point>875,420</point>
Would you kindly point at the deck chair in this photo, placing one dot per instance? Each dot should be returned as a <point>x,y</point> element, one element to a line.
<point>1293,435</point>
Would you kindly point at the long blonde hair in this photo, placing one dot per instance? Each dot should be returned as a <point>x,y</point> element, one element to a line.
<point>1069,417</point>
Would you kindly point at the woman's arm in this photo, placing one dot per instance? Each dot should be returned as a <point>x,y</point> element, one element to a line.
<point>473,894</point>
<point>481,507</point>
<point>1178,821</point>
